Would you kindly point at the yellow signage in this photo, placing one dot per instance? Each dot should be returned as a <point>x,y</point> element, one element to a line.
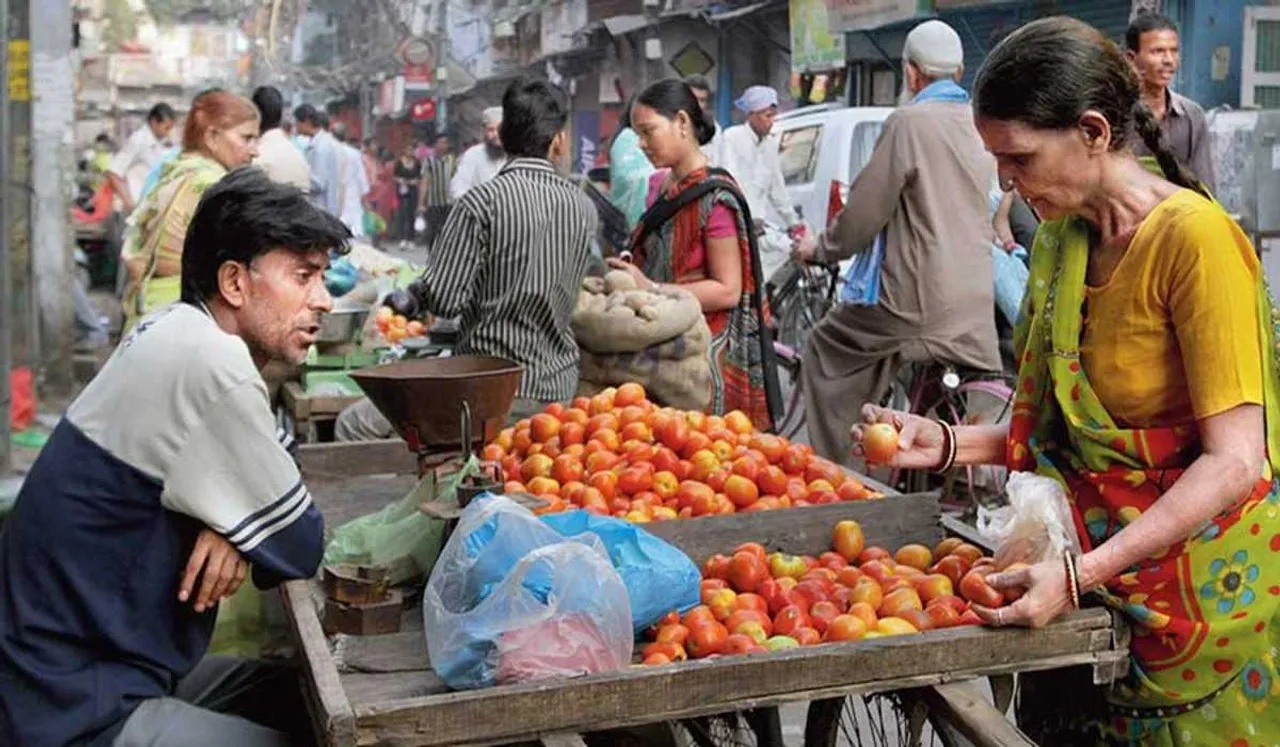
<point>19,70</point>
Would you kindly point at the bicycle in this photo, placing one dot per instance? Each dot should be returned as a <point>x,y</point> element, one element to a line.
<point>799,296</point>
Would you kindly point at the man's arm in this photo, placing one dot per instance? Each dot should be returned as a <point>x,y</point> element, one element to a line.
<point>235,474</point>
<point>319,179</point>
<point>445,287</point>
<point>872,198</point>
<point>778,196</point>
<point>464,178</point>
<point>118,172</point>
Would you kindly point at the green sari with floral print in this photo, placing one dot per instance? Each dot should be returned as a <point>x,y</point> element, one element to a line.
<point>1204,612</point>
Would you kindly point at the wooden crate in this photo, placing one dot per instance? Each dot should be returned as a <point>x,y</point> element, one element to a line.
<point>380,689</point>
<point>309,411</point>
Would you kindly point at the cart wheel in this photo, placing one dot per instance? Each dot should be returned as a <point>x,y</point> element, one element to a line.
<point>761,727</point>
<point>872,721</point>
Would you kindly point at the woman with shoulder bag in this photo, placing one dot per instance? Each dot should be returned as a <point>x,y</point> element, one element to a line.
<point>695,234</point>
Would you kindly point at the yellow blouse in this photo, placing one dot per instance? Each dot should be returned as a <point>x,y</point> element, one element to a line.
<point>1172,336</point>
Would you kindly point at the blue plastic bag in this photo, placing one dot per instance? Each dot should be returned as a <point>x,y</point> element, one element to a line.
<point>658,576</point>
<point>862,281</point>
<point>512,600</point>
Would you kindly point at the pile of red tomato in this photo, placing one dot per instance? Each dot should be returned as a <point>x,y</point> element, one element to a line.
<point>396,327</point>
<point>754,601</point>
<point>619,454</point>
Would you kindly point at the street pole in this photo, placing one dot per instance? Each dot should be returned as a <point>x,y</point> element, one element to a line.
<point>53,118</point>
<point>23,336</point>
<point>6,295</point>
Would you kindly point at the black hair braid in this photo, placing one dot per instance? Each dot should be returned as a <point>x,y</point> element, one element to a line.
<point>1148,128</point>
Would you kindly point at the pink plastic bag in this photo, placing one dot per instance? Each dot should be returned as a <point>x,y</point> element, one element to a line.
<point>22,409</point>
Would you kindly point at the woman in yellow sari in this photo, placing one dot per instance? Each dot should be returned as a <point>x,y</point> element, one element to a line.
<point>1147,387</point>
<point>221,133</point>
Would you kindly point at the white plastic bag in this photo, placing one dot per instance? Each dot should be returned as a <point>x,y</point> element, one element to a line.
<point>1036,525</point>
<point>511,600</point>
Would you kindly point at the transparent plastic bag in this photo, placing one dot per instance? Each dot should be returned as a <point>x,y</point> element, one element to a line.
<point>511,600</point>
<point>1036,525</point>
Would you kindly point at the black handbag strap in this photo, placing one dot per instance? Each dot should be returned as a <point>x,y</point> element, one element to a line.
<point>664,209</point>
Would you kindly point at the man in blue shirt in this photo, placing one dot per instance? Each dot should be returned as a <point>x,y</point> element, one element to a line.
<point>165,482</point>
<point>323,156</point>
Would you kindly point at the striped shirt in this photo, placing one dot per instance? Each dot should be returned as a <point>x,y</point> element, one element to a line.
<point>510,261</point>
<point>437,172</point>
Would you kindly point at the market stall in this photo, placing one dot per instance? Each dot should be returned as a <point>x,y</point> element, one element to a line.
<point>381,689</point>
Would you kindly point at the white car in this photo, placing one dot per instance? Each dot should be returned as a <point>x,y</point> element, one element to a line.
<point>821,145</point>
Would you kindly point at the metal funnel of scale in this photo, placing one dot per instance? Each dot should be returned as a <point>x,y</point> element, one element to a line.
<point>423,398</point>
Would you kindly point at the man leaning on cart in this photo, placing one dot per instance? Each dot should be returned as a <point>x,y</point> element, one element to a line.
<point>163,484</point>
<point>509,261</point>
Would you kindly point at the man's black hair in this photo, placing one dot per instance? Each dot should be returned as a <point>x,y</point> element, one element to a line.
<point>307,113</point>
<point>270,105</point>
<point>1144,22</point>
<point>161,112</point>
<point>533,113</point>
<point>698,82</point>
<point>322,120</point>
<point>244,216</point>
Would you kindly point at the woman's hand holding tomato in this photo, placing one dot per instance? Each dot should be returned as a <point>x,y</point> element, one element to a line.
<point>920,440</point>
<point>1046,598</point>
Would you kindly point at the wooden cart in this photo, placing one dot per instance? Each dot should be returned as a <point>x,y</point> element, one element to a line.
<point>381,690</point>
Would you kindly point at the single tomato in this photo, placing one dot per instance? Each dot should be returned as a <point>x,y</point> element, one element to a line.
<point>880,443</point>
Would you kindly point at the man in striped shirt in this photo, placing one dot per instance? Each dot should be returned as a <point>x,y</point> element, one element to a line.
<point>433,200</point>
<point>509,261</point>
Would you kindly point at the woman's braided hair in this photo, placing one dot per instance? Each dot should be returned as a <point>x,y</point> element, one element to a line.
<point>1049,72</point>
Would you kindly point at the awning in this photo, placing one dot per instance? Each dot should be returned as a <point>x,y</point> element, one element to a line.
<point>626,24</point>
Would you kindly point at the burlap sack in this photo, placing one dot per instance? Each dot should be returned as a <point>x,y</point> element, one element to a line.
<point>612,316</point>
<point>675,372</point>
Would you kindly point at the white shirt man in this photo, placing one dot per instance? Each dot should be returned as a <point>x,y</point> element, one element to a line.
<point>281,159</point>
<point>355,185</point>
<point>750,153</point>
<point>481,162</point>
<point>141,153</point>
<point>713,150</point>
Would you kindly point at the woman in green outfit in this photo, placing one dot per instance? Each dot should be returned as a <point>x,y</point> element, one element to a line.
<point>221,133</point>
<point>1147,387</point>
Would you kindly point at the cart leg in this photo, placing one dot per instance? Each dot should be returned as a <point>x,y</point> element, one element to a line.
<point>661,734</point>
<point>767,725</point>
<point>1002,689</point>
<point>822,724</point>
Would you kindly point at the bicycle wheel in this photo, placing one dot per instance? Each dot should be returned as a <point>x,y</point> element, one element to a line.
<point>798,307</point>
<point>761,727</point>
<point>867,721</point>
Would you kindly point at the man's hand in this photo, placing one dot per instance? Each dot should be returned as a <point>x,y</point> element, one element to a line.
<point>223,570</point>
<point>805,248</point>
<point>404,301</point>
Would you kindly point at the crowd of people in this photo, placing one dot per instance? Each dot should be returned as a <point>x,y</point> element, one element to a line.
<point>1145,353</point>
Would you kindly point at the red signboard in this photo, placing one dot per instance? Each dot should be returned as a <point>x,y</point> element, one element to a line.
<point>423,111</point>
<point>417,73</point>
